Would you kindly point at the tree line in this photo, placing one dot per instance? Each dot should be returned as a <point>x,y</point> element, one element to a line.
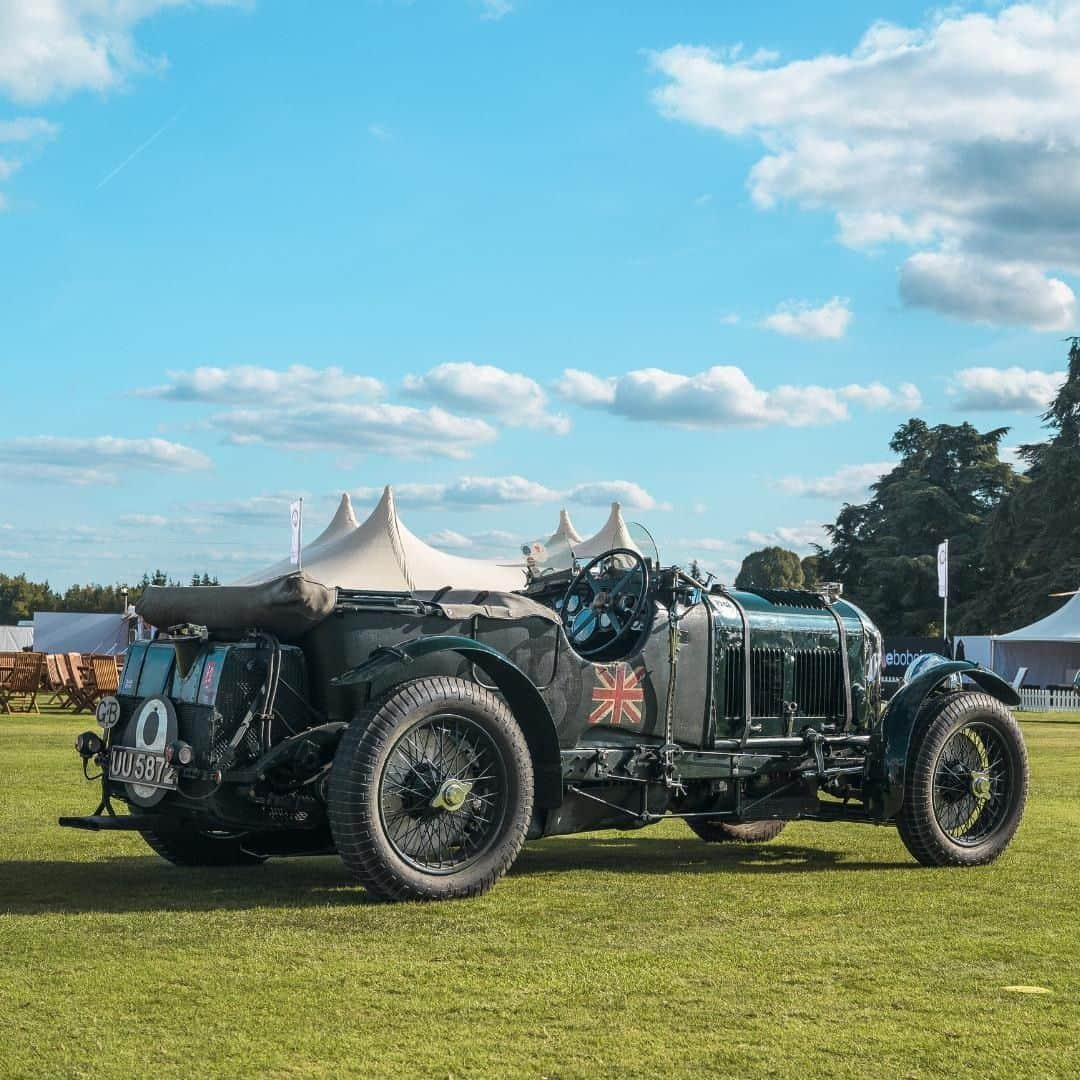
<point>20,597</point>
<point>1014,533</point>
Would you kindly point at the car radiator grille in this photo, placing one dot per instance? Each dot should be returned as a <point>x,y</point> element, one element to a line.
<point>816,681</point>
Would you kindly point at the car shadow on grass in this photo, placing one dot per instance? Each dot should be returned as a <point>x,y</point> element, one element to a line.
<point>124,884</point>
<point>636,854</point>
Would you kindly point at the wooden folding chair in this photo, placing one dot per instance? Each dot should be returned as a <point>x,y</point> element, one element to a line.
<point>7,663</point>
<point>52,680</point>
<point>23,682</point>
<point>106,675</point>
<point>82,697</point>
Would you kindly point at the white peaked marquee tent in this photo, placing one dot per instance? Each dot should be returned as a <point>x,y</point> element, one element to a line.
<point>1049,648</point>
<point>558,548</point>
<point>381,553</point>
<point>341,524</point>
<point>614,534</point>
<point>565,533</point>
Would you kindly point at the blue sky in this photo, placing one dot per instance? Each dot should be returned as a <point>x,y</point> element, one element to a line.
<point>527,254</point>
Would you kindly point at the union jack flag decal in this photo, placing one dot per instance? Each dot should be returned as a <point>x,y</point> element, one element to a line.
<point>619,696</point>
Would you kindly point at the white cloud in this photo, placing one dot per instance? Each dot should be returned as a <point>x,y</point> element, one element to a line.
<point>979,389</point>
<point>983,291</point>
<point>797,537</point>
<point>52,48</point>
<point>448,538</point>
<point>25,129</point>
<point>958,138</point>
<point>905,398</point>
<point>148,521</point>
<point>477,492</point>
<point>271,508</point>
<point>490,543</point>
<point>704,543</point>
<point>584,388</point>
<point>495,9</point>
<point>602,492</point>
<point>486,390</point>
<point>797,318</point>
<point>850,482</point>
<point>26,132</point>
<point>379,131</point>
<point>722,396</point>
<point>247,384</point>
<point>93,461</point>
<point>391,430</point>
<point>490,492</point>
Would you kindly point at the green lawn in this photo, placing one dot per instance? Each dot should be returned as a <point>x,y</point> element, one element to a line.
<point>825,953</point>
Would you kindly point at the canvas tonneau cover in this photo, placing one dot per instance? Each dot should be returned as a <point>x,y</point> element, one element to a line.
<point>288,606</point>
<point>291,605</point>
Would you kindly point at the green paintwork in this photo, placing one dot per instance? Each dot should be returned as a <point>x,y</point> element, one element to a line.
<point>886,765</point>
<point>526,702</point>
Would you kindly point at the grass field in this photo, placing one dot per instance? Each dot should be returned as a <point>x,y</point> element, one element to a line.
<point>825,953</point>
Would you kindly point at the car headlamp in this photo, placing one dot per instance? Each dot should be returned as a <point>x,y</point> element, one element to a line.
<point>927,662</point>
<point>88,744</point>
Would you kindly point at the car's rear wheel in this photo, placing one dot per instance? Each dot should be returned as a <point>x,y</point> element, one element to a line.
<point>202,848</point>
<point>714,831</point>
<point>431,791</point>
<point>966,782</point>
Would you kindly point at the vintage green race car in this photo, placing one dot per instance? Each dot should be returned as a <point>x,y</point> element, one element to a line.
<point>426,737</point>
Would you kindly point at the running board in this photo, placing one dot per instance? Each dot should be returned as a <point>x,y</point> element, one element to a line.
<point>110,822</point>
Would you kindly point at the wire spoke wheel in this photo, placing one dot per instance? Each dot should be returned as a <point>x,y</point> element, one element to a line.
<point>431,791</point>
<point>441,796</point>
<point>972,784</point>
<point>966,781</point>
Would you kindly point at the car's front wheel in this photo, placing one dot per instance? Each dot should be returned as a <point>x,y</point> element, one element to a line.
<point>714,831</point>
<point>431,792</point>
<point>966,782</point>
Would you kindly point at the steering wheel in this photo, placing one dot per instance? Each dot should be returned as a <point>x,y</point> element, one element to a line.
<point>608,592</point>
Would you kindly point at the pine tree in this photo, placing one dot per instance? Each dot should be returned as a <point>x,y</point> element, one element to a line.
<point>1032,546</point>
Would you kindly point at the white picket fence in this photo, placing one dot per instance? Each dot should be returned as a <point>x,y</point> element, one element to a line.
<point>1050,700</point>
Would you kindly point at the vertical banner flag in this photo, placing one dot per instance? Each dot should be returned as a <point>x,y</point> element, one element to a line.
<point>296,520</point>
<point>943,570</point>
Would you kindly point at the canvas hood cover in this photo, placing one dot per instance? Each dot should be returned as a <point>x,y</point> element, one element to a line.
<point>1062,625</point>
<point>288,606</point>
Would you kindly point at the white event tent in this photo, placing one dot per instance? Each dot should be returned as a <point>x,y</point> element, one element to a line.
<point>1049,648</point>
<point>81,632</point>
<point>614,534</point>
<point>565,533</point>
<point>381,553</point>
<point>16,638</point>
<point>558,549</point>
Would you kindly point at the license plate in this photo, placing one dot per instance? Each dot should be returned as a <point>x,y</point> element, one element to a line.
<point>141,767</point>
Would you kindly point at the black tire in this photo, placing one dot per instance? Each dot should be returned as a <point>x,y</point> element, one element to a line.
<point>966,783</point>
<point>405,753</point>
<point>714,831</point>
<point>202,849</point>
